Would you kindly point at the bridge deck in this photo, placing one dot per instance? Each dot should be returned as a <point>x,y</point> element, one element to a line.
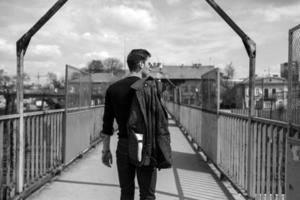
<point>88,179</point>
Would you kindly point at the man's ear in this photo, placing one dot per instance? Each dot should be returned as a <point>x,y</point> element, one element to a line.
<point>140,64</point>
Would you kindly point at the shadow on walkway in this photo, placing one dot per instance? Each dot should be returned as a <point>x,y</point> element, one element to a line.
<point>194,179</point>
<point>117,186</point>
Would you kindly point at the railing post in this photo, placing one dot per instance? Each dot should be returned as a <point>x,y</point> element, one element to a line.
<point>218,116</point>
<point>64,133</point>
<point>1,160</point>
<point>251,163</point>
<point>179,95</point>
<point>20,127</point>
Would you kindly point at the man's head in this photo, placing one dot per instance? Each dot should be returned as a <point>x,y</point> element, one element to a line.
<point>136,59</point>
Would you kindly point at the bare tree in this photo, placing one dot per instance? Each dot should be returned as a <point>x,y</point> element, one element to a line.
<point>53,80</point>
<point>229,71</point>
<point>114,65</point>
<point>95,66</point>
<point>7,85</point>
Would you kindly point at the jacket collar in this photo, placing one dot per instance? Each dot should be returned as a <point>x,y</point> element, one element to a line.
<point>140,83</point>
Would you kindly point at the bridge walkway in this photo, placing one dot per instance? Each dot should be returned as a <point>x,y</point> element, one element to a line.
<point>190,178</point>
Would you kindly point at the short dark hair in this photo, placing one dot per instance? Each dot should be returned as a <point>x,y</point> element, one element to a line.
<point>135,56</point>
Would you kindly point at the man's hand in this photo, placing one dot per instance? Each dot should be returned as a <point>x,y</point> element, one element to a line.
<point>107,158</point>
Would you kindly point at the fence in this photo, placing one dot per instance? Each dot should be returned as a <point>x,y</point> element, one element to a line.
<point>83,128</point>
<point>268,154</point>
<point>45,146</point>
<point>227,144</point>
<point>293,140</point>
<point>279,115</point>
<point>78,88</point>
<point>294,72</point>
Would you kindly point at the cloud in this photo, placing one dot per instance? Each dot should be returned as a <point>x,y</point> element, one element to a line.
<point>276,2</point>
<point>6,48</point>
<point>145,4</point>
<point>44,52</point>
<point>172,2</point>
<point>126,18</point>
<point>96,55</point>
<point>272,14</point>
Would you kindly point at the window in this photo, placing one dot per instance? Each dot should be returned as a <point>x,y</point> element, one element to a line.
<point>193,88</point>
<point>266,93</point>
<point>257,91</point>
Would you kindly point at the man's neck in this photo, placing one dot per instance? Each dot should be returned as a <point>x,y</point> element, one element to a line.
<point>137,74</point>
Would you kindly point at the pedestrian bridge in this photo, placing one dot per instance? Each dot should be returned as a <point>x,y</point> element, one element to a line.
<point>213,156</point>
<point>87,178</point>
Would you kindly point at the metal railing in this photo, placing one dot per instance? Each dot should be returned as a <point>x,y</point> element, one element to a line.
<point>8,132</point>
<point>268,153</point>
<point>83,128</point>
<point>279,115</point>
<point>227,147</point>
<point>44,146</point>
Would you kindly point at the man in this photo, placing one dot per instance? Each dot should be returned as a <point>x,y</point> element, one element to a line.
<point>117,105</point>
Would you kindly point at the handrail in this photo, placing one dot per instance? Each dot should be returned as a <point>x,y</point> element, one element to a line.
<point>84,108</point>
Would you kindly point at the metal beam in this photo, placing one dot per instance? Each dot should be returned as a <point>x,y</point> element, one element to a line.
<point>23,42</point>
<point>21,47</point>
<point>249,44</point>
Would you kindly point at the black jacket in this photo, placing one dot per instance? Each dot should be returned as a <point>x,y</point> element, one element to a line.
<point>149,117</point>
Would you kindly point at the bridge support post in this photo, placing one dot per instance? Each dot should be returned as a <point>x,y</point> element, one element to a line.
<point>21,47</point>
<point>20,126</point>
<point>250,47</point>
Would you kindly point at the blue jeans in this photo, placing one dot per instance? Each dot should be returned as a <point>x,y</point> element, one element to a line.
<point>146,176</point>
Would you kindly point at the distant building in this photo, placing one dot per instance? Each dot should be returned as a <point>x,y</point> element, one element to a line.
<point>187,78</point>
<point>269,92</point>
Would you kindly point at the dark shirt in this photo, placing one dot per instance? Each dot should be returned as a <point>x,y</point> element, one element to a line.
<point>117,105</point>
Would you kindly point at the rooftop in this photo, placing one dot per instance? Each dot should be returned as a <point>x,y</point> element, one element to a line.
<point>181,71</point>
<point>103,77</point>
<point>266,79</point>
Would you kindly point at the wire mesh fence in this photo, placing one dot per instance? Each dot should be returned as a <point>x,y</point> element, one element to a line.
<point>78,88</point>
<point>210,90</point>
<point>294,74</point>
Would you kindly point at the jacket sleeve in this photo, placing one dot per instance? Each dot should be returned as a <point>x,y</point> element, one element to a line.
<point>108,116</point>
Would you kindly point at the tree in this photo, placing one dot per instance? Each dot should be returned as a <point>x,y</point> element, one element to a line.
<point>95,66</point>
<point>7,84</point>
<point>26,78</point>
<point>228,88</point>
<point>114,65</point>
<point>229,71</point>
<point>5,80</point>
<point>53,79</point>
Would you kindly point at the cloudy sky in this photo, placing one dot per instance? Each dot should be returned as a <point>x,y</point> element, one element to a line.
<point>175,32</point>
